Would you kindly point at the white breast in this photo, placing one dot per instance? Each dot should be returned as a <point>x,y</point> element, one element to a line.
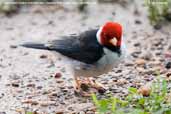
<point>104,65</point>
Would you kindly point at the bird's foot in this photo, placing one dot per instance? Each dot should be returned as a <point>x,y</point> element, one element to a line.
<point>98,86</point>
<point>83,93</point>
<point>82,88</point>
<point>88,86</point>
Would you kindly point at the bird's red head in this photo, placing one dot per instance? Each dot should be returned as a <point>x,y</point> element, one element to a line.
<point>110,34</point>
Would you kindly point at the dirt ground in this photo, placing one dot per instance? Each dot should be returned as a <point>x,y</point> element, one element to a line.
<point>27,76</point>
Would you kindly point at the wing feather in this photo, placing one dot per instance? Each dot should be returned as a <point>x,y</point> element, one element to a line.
<point>84,47</point>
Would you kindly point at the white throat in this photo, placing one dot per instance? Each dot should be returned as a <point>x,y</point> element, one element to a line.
<point>98,35</point>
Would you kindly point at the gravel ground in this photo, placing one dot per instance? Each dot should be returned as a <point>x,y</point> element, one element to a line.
<point>27,77</point>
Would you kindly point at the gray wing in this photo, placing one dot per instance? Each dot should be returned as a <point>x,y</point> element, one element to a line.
<point>83,47</point>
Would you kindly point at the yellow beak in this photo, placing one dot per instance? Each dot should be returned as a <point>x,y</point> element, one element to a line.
<point>113,41</point>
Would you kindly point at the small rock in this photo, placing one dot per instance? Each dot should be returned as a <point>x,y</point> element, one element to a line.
<point>25,53</point>
<point>122,81</point>
<point>118,71</point>
<point>2,95</point>
<point>148,78</point>
<point>33,23</point>
<point>102,90</point>
<point>157,26</point>
<point>129,64</point>
<point>90,112</point>
<point>137,44</point>
<point>60,112</point>
<point>113,13</point>
<point>64,90</point>
<point>168,75</point>
<point>145,91</point>
<point>168,65</point>
<point>47,103</point>
<point>59,81</point>
<point>140,62</point>
<point>39,87</point>
<point>43,56</point>
<point>50,22</point>
<point>136,12</point>
<point>54,94</point>
<point>168,16</point>
<point>15,84</point>
<point>18,111</point>
<point>63,70</point>
<point>31,85</point>
<point>58,75</point>
<point>29,101</point>
<point>138,22</point>
<point>9,28</point>
<point>136,54</point>
<point>82,112</point>
<point>13,46</point>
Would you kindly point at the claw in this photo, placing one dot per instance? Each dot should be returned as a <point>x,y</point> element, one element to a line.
<point>97,85</point>
<point>85,87</point>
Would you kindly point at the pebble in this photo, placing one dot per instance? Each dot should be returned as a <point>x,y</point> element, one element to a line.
<point>39,87</point>
<point>2,112</point>
<point>136,54</point>
<point>29,101</point>
<point>140,61</point>
<point>129,64</point>
<point>138,22</point>
<point>43,56</point>
<point>31,85</point>
<point>47,103</point>
<point>65,90</point>
<point>145,91</point>
<point>13,46</point>
<point>63,70</point>
<point>2,95</point>
<point>168,74</point>
<point>15,84</point>
<point>59,81</point>
<point>90,112</point>
<point>122,81</point>
<point>58,75</point>
<point>137,44</point>
<point>158,26</point>
<point>101,90</point>
<point>54,94</point>
<point>60,112</point>
<point>168,65</point>
<point>148,78</point>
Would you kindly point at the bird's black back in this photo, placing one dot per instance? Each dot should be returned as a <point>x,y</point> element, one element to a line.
<point>84,47</point>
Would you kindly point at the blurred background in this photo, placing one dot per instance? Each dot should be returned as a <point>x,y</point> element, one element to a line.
<point>27,76</point>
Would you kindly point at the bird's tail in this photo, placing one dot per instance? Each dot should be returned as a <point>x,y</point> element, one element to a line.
<point>35,46</point>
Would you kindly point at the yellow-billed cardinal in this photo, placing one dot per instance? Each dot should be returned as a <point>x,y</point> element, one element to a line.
<point>94,52</point>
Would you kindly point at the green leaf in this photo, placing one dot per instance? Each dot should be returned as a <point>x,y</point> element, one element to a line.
<point>103,105</point>
<point>132,90</point>
<point>114,101</point>
<point>96,102</point>
<point>141,101</point>
<point>164,87</point>
<point>29,112</point>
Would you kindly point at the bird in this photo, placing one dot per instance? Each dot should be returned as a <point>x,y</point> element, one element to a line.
<point>93,52</point>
